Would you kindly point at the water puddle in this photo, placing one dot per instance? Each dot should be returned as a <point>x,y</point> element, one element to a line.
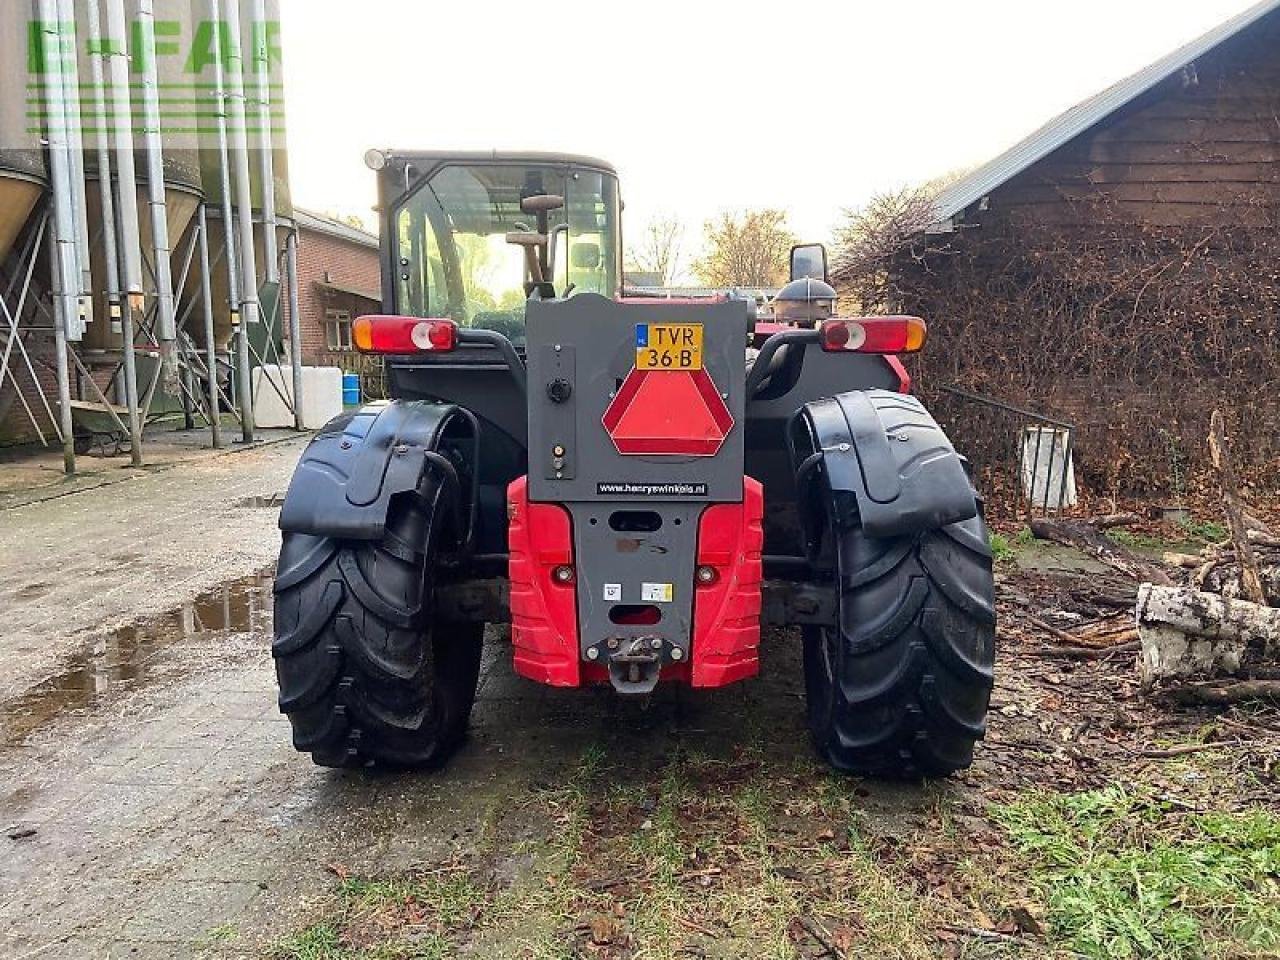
<point>125,659</point>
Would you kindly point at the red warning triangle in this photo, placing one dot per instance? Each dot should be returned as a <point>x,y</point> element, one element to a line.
<point>668,412</point>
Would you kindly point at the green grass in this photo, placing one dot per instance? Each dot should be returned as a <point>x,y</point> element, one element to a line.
<point>1205,530</point>
<point>1140,541</point>
<point>1127,875</point>
<point>216,937</point>
<point>1192,533</point>
<point>447,900</point>
<point>658,850</point>
<point>414,917</point>
<point>320,941</point>
<point>744,856</point>
<point>1003,549</point>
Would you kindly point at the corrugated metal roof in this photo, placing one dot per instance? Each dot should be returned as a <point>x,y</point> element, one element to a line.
<point>350,290</point>
<point>962,194</point>
<point>307,220</point>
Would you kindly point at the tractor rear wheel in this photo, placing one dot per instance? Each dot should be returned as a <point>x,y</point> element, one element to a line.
<point>900,687</point>
<point>367,672</point>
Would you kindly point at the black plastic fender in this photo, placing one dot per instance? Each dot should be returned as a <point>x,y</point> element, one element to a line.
<point>888,464</point>
<point>357,462</point>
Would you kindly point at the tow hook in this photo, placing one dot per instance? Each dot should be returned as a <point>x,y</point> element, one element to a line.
<point>634,662</point>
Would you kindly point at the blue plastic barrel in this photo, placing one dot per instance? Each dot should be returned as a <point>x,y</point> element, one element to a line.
<point>351,389</point>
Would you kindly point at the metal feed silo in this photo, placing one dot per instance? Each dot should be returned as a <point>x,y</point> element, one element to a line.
<point>23,178</point>
<point>22,182</point>
<point>177,22</point>
<point>256,26</point>
<point>121,92</point>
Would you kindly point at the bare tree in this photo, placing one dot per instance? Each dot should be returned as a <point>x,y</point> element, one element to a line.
<point>874,234</point>
<point>661,249</point>
<point>746,249</point>
<point>349,219</point>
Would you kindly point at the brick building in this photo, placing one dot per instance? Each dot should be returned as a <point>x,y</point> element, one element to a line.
<point>338,280</point>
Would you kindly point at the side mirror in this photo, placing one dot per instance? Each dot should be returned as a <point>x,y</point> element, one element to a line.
<point>541,203</point>
<point>809,262</point>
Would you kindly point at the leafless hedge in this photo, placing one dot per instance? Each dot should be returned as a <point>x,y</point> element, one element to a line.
<point>1134,332</point>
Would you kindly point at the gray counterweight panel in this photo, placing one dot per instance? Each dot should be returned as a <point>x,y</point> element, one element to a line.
<point>571,387</point>
<point>615,566</point>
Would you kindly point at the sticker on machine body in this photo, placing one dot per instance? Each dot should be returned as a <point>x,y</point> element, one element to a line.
<point>627,488</point>
<point>668,346</point>
<point>612,592</point>
<point>657,592</point>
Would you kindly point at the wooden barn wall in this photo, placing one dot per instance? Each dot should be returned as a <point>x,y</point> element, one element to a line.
<point>1203,147</point>
<point>1128,282</point>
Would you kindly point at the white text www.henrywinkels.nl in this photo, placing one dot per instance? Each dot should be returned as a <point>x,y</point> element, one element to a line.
<point>624,489</point>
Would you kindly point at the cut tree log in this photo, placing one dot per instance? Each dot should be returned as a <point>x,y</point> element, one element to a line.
<point>1050,629</point>
<point>1084,537</point>
<point>1235,508</point>
<point>1111,635</point>
<point>1087,653</point>
<point>1263,538</point>
<point>1225,694</point>
<point>1187,633</point>
<point>1254,525</point>
<point>1222,574</point>
<point>1101,599</point>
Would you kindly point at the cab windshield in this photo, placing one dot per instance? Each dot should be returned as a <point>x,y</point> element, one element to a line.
<point>453,256</point>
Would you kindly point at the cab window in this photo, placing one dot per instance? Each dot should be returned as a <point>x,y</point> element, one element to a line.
<point>453,259</point>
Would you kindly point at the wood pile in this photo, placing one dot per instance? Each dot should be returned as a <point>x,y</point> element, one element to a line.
<point>1199,619</point>
<point>1226,621</point>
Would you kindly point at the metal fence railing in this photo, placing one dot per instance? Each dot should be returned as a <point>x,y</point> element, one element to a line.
<point>372,372</point>
<point>1043,450</point>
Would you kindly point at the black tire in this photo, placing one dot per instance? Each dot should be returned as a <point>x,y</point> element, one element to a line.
<point>367,673</point>
<point>901,688</point>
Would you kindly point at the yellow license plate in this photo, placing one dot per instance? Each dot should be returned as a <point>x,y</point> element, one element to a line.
<point>669,346</point>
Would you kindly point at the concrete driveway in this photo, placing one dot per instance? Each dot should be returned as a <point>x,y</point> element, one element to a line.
<point>153,805</point>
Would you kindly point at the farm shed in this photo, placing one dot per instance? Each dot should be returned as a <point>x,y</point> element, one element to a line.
<point>338,280</point>
<point>1119,268</point>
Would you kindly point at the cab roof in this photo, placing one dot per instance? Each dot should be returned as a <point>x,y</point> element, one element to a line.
<point>434,157</point>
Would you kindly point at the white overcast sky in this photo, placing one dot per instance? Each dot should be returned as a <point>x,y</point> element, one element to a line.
<point>705,105</point>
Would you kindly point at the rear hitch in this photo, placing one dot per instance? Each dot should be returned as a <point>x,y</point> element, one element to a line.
<point>634,662</point>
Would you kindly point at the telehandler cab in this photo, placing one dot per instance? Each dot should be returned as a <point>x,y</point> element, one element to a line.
<point>636,485</point>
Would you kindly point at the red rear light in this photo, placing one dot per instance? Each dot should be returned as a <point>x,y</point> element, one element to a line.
<point>384,334</point>
<point>441,335</point>
<point>835,335</point>
<point>875,335</point>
